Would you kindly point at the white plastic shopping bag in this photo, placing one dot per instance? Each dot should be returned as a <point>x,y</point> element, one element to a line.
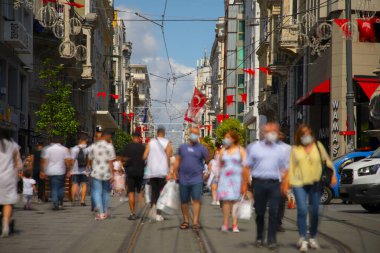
<point>169,200</point>
<point>244,210</point>
<point>147,193</point>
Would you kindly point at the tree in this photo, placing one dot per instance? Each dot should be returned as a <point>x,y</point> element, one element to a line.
<point>120,139</point>
<point>57,115</point>
<point>231,124</point>
<point>209,144</point>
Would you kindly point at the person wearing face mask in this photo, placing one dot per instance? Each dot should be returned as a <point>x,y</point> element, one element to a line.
<point>230,186</point>
<point>305,170</point>
<point>188,168</point>
<point>267,161</point>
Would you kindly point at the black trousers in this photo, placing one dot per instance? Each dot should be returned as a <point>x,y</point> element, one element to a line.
<point>40,183</point>
<point>281,210</point>
<point>156,184</point>
<point>266,193</point>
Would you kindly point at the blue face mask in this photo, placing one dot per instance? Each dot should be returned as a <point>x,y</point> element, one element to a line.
<point>227,142</point>
<point>194,137</point>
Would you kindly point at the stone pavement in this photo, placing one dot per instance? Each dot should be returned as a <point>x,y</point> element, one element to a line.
<point>344,228</point>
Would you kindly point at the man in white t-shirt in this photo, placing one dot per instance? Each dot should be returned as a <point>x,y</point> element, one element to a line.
<point>101,157</point>
<point>56,160</point>
<point>79,155</point>
<point>158,153</point>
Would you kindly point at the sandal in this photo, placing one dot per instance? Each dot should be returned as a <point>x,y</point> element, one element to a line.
<point>196,227</point>
<point>184,225</point>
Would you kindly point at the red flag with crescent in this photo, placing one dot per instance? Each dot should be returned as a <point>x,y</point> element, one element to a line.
<point>195,109</point>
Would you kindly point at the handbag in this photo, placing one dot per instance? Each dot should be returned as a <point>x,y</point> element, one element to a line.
<point>327,173</point>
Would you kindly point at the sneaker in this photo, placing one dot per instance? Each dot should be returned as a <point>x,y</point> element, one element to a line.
<point>300,241</point>
<point>218,203</point>
<point>313,243</point>
<point>5,232</point>
<point>224,228</point>
<point>132,217</point>
<point>259,244</point>
<point>55,208</point>
<point>303,246</point>
<point>235,229</point>
<point>272,246</point>
<point>83,204</point>
<point>213,203</point>
<point>159,217</point>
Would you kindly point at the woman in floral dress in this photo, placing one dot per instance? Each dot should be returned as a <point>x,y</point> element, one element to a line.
<point>231,180</point>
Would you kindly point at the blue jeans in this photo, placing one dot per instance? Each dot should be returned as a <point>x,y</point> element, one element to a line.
<point>302,194</point>
<point>57,188</point>
<point>101,190</point>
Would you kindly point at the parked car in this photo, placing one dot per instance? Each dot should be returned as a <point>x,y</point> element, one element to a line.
<point>339,163</point>
<point>360,182</point>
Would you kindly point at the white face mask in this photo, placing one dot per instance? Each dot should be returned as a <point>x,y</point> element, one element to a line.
<point>306,140</point>
<point>271,137</point>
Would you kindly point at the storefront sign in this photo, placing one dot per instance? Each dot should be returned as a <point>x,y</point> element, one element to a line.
<point>335,128</point>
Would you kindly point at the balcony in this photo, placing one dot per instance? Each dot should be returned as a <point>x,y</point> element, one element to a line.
<point>16,35</point>
<point>139,77</point>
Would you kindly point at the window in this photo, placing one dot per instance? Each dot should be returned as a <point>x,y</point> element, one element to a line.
<point>241,80</point>
<point>241,29</point>
<point>231,41</point>
<point>232,11</point>
<point>231,61</point>
<point>240,107</point>
<point>231,25</point>
<point>240,57</point>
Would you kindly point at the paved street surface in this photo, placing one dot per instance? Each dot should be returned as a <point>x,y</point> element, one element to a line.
<point>344,228</point>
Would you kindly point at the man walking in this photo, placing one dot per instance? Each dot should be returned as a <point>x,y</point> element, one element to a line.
<point>79,155</point>
<point>267,160</point>
<point>157,153</point>
<point>101,157</point>
<point>55,162</point>
<point>135,164</point>
<point>189,168</point>
<point>40,182</point>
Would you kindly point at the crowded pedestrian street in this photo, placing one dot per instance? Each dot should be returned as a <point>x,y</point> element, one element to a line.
<point>201,126</point>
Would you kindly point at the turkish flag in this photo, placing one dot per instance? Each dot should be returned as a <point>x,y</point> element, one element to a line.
<point>249,71</point>
<point>265,70</point>
<point>77,5</point>
<point>195,109</point>
<point>229,99</point>
<point>342,23</point>
<point>366,30</point>
<point>220,117</point>
<point>114,96</point>
<point>226,116</point>
<point>244,97</point>
<point>101,94</point>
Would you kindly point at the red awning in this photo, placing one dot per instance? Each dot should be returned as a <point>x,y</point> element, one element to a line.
<point>308,98</point>
<point>368,84</point>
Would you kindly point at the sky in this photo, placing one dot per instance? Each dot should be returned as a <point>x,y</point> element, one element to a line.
<point>186,42</point>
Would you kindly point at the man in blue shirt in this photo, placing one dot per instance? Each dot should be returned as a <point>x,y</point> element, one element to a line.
<point>267,160</point>
<point>188,168</point>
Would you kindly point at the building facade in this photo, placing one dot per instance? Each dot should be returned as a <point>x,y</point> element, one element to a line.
<point>16,65</point>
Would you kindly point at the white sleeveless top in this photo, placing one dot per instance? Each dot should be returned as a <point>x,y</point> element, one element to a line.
<point>157,162</point>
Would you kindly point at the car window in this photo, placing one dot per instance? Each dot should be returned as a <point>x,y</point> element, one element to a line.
<point>344,164</point>
<point>359,158</point>
<point>376,154</point>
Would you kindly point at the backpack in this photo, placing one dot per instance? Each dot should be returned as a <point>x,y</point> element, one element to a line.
<point>82,158</point>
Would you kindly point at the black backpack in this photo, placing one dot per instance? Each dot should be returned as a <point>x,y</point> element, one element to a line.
<point>82,158</point>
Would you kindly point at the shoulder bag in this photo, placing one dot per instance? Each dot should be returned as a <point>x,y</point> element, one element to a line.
<point>327,173</point>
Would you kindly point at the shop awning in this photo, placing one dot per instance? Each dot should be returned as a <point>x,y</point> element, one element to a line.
<point>368,85</point>
<point>308,98</point>
<point>105,119</point>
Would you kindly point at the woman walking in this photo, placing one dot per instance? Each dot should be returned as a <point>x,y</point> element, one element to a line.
<point>305,170</point>
<point>232,158</point>
<point>9,166</point>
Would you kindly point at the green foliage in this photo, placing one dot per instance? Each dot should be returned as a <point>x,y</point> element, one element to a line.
<point>57,115</point>
<point>120,139</point>
<point>209,144</point>
<point>231,124</point>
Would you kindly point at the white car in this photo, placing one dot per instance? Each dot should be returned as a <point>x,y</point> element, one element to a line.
<point>360,182</point>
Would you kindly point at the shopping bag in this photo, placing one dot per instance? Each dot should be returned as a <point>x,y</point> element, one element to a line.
<point>244,210</point>
<point>169,201</point>
<point>147,193</point>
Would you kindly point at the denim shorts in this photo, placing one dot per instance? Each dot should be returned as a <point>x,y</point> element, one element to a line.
<point>79,179</point>
<point>190,191</point>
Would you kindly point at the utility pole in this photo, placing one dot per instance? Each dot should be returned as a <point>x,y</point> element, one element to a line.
<point>350,90</point>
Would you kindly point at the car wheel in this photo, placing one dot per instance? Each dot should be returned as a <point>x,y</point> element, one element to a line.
<point>372,208</point>
<point>326,196</point>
